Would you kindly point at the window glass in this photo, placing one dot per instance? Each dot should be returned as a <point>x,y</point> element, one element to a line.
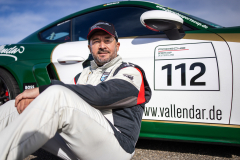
<point>125,19</point>
<point>58,33</point>
<point>186,28</point>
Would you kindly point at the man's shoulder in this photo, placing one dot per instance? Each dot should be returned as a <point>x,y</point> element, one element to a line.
<point>125,65</point>
<point>84,72</point>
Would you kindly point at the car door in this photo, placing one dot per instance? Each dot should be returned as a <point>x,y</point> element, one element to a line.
<point>191,78</point>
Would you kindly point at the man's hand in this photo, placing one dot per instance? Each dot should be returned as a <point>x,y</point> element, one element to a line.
<point>23,104</point>
<point>27,94</point>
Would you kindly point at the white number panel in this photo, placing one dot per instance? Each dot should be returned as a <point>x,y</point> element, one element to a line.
<point>186,67</point>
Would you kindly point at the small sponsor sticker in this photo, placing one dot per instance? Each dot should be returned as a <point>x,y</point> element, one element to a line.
<point>128,76</point>
<point>104,76</point>
<point>29,86</point>
<point>168,51</point>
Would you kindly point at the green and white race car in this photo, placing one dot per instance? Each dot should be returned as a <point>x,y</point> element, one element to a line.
<point>191,65</point>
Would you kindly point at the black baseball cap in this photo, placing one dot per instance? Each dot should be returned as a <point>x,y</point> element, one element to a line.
<point>103,26</point>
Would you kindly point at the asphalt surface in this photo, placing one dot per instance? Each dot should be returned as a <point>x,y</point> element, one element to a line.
<point>168,150</point>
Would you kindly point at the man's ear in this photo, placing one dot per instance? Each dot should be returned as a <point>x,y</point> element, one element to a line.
<point>118,45</point>
<point>89,47</point>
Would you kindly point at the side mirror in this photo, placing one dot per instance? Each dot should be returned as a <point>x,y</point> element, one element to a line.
<point>169,23</point>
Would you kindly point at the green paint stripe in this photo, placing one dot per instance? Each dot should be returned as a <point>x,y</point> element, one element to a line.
<point>193,132</point>
<point>194,123</point>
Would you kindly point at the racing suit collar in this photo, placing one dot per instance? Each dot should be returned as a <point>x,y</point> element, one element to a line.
<point>107,65</point>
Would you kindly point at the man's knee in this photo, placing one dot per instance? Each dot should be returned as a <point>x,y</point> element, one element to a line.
<point>8,108</point>
<point>58,92</point>
<point>54,90</point>
<point>10,103</point>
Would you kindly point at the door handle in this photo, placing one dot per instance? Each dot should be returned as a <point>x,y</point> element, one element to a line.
<point>70,60</point>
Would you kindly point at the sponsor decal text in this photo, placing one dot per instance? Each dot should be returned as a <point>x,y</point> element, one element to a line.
<point>10,52</point>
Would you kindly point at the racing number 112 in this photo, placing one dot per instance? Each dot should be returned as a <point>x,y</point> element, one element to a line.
<point>182,66</point>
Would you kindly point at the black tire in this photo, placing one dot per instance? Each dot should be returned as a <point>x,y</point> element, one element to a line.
<point>7,81</point>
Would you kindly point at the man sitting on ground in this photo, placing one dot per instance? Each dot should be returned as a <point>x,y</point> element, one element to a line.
<point>98,117</point>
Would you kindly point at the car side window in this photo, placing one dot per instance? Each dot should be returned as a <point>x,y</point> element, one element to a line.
<point>57,33</point>
<point>125,19</point>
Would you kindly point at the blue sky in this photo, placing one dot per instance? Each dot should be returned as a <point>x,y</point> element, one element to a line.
<point>19,18</point>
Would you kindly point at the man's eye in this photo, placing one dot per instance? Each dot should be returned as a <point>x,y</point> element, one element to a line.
<point>94,42</point>
<point>107,41</point>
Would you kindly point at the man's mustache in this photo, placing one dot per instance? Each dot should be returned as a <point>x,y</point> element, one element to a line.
<point>103,51</point>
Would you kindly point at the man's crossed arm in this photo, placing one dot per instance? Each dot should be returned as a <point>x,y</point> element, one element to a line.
<point>25,98</point>
<point>123,90</point>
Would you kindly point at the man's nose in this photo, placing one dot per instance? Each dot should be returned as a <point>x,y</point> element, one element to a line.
<point>102,44</point>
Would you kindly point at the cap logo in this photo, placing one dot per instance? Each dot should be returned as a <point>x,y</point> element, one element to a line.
<point>93,27</point>
<point>96,25</point>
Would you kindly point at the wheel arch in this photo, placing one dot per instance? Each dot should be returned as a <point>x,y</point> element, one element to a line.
<point>14,76</point>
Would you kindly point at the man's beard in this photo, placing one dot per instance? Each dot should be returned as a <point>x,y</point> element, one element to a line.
<point>101,62</point>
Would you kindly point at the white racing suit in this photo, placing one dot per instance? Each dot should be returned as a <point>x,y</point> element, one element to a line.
<point>98,117</point>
